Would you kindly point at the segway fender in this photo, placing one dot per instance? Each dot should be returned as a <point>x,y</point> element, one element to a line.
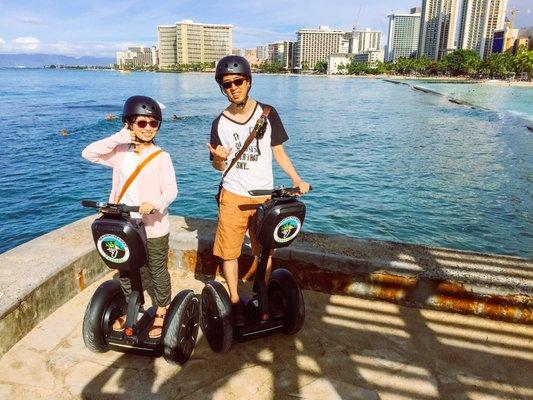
<point>94,323</point>
<point>180,328</point>
<point>294,307</point>
<point>216,317</point>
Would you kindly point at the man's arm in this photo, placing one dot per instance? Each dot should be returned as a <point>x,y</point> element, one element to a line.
<point>286,165</point>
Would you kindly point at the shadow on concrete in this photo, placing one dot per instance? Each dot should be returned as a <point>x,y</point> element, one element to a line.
<point>349,348</point>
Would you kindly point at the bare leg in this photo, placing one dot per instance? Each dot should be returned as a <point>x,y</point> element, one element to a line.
<point>231,273</point>
<point>157,326</point>
<point>268,269</point>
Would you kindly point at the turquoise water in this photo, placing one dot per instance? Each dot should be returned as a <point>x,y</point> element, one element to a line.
<point>386,162</point>
<point>515,100</point>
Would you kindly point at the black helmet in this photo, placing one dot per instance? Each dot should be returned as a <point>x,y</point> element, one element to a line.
<point>233,65</point>
<point>141,105</point>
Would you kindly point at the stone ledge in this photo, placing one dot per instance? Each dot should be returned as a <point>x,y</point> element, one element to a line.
<point>39,276</point>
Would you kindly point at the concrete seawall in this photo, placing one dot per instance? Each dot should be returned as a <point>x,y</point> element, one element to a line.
<point>41,275</point>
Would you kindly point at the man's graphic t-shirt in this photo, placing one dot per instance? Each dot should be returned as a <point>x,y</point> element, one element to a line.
<point>254,169</point>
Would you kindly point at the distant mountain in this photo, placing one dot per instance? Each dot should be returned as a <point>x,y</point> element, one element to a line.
<point>40,60</point>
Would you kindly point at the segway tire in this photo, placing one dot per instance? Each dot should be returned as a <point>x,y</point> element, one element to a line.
<point>107,304</point>
<point>284,289</point>
<point>216,317</point>
<point>180,328</point>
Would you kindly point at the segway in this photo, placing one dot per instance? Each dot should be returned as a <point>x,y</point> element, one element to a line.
<point>121,242</point>
<point>273,308</point>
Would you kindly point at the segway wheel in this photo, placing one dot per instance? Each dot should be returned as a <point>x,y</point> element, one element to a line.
<point>107,304</point>
<point>180,328</point>
<point>284,290</point>
<point>216,317</point>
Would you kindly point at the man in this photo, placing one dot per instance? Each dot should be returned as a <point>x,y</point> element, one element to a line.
<point>253,171</point>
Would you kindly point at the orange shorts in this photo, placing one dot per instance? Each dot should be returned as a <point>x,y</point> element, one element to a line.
<point>235,216</point>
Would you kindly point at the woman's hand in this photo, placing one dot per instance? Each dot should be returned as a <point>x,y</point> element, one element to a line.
<point>146,208</point>
<point>220,153</point>
<point>133,138</point>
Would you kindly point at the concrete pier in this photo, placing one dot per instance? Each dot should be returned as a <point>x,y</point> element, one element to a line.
<point>350,347</point>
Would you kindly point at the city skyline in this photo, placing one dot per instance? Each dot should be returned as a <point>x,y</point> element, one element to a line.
<point>101,28</point>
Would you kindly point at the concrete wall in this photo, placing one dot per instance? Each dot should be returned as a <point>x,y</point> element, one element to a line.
<point>39,276</point>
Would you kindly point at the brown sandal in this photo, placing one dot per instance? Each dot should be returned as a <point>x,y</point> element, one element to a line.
<point>120,323</point>
<point>157,327</point>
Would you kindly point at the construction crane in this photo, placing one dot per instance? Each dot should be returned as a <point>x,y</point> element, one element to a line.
<point>357,18</point>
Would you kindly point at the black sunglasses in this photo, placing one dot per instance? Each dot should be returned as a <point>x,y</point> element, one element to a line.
<point>142,124</point>
<point>237,82</point>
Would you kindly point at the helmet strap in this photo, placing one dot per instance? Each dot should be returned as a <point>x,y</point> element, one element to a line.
<point>144,141</point>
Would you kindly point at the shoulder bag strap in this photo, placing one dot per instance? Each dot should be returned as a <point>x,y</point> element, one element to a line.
<point>260,125</point>
<point>135,173</point>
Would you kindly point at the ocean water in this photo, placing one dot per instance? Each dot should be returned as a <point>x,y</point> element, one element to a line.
<point>385,161</point>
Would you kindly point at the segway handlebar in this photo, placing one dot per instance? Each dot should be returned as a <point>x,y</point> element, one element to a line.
<point>278,192</point>
<point>109,207</point>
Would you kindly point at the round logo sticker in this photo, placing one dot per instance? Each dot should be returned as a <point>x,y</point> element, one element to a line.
<point>113,248</point>
<point>287,229</point>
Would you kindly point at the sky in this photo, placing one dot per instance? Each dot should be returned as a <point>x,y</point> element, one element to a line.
<point>100,28</point>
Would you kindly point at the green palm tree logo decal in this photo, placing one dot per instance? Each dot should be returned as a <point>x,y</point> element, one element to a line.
<point>112,248</point>
<point>286,229</point>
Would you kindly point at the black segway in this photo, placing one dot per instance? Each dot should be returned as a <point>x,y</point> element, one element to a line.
<point>121,242</point>
<point>276,307</point>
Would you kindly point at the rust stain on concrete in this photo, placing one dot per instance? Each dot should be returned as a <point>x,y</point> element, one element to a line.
<point>411,291</point>
<point>81,280</point>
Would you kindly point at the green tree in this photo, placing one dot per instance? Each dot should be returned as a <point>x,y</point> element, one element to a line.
<point>522,63</point>
<point>357,68</point>
<point>497,65</point>
<point>321,66</point>
<point>462,62</point>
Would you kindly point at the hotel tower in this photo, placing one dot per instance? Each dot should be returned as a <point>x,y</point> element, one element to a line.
<point>187,42</point>
<point>479,19</point>
<point>438,27</point>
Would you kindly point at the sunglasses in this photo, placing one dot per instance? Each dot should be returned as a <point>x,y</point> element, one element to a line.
<point>237,82</point>
<point>143,124</point>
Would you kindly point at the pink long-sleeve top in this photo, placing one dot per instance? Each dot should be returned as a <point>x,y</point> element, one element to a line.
<point>155,183</point>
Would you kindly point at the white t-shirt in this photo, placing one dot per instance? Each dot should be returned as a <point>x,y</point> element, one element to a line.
<point>254,169</point>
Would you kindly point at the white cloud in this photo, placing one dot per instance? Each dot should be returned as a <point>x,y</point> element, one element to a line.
<point>30,44</point>
<point>32,21</point>
<point>26,43</point>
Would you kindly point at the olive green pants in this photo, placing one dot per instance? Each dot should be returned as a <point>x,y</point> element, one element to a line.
<point>154,276</point>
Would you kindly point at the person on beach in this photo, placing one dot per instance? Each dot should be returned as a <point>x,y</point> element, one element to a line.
<point>153,190</point>
<point>253,171</point>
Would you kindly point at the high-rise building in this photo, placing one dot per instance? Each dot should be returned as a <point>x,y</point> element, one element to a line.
<point>364,40</point>
<point>166,43</point>
<point>188,42</point>
<point>371,57</point>
<point>137,56</point>
<point>479,20</point>
<point>315,45</point>
<point>404,30</point>
<point>281,52</point>
<point>504,40</point>
<point>438,27</point>
<point>262,53</point>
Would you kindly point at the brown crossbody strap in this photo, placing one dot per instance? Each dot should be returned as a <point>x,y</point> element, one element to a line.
<point>135,173</point>
<point>260,125</point>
